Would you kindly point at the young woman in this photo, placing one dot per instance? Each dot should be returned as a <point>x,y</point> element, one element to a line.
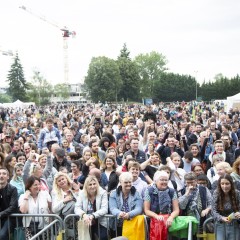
<point>21,158</point>
<point>109,175</point>
<point>17,180</point>
<point>9,163</point>
<point>76,170</point>
<point>92,205</point>
<point>226,201</point>
<point>178,173</point>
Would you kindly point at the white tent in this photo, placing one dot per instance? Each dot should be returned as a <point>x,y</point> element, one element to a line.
<point>233,101</point>
<point>18,104</point>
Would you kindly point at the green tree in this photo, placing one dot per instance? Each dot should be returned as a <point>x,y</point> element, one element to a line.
<point>103,80</point>
<point>40,90</point>
<point>17,84</point>
<point>5,98</point>
<point>150,68</point>
<point>175,87</point>
<point>129,74</point>
<point>62,90</point>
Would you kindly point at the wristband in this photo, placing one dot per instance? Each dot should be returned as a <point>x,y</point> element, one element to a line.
<point>25,199</point>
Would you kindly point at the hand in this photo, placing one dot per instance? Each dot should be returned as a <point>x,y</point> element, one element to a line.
<point>225,219</point>
<point>75,186</point>
<point>67,199</point>
<point>189,189</point>
<point>237,215</point>
<point>204,212</point>
<point>87,219</point>
<point>159,217</point>
<point>27,194</point>
<point>126,216</point>
<point>169,221</point>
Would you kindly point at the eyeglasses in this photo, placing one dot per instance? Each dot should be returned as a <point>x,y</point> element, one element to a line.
<point>163,180</point>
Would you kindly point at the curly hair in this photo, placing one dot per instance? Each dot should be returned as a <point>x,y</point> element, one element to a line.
<point>232,194</point>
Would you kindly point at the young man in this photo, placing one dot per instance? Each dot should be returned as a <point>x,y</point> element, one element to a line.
<point>8,203</point>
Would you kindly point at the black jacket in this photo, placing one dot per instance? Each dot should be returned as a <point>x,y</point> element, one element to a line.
<point>65,163</point>
<point>165,152</point>
<point>8,201</point>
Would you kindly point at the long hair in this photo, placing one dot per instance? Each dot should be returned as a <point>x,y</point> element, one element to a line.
<point>57,189</point>
<point>87,182</point>
<point>221,200</point>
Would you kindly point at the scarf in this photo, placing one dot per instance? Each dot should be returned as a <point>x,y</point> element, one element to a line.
<point>164,199</point>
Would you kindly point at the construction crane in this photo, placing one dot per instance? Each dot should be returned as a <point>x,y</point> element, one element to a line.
<point>66,33</point>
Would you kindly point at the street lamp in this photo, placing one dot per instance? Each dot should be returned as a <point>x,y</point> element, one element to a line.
<point>196,82</point>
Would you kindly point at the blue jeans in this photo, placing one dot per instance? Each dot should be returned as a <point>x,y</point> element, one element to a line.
<point>5,225</point>
<point>227,231</point>
<point>103,232</point>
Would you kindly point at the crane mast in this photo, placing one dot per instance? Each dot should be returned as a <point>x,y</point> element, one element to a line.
<point>65,34</point>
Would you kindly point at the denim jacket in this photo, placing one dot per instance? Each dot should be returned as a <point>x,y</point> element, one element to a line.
<point>135,202</point>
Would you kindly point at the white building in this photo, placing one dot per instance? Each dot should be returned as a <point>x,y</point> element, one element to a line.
<point>77,95</point>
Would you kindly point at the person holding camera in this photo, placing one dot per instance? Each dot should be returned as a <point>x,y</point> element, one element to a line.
<point>171,145</point>
<point>33,168</point>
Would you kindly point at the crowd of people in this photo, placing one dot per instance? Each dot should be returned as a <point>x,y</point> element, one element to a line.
<point>163,160</point>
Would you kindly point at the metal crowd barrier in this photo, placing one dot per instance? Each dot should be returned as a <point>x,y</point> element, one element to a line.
<point>54,227</point>
<point>67,228</point>
<point>49,232</point>
<point>70,226</point>
<point>205,235</point>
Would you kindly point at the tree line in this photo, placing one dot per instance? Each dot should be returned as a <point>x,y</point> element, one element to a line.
<point>123,79</point>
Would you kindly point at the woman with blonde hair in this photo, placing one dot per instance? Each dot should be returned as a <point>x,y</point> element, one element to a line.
<point>92,205</point>
<point>64,191</point>
<point>174,161</point>
<point>222,169</point>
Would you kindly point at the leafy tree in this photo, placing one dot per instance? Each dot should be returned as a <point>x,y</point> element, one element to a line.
<point>17,84</point>
<point>129,74</point>
<point>150,68</point>
<point>62,90</point>
<point>5,98</point>
<point>174,87</point>
<point>124,53</point>
<point>103,80</point>
<point>40,90</point>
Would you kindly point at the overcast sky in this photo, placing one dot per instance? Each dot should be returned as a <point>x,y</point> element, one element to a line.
<point>200,38</point>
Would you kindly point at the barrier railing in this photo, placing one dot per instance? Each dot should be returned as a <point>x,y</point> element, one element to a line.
<point>70,225</point>
<point>49,232</point>
<point>68,228</point>
<point>20,220</point>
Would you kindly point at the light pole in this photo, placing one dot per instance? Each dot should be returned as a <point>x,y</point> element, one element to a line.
<point>196,82</point>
